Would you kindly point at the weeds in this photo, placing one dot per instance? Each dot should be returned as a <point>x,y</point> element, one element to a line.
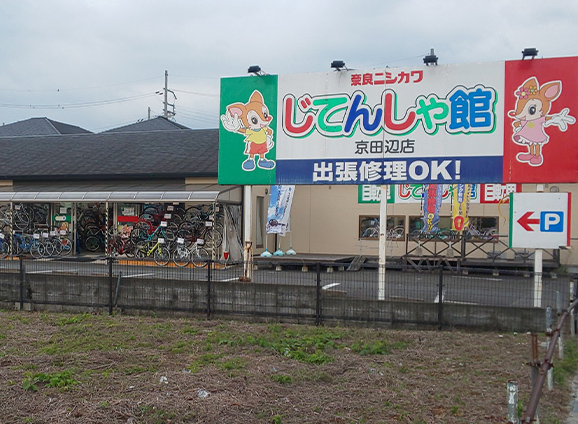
<point>320,374</point>
<point>567,367</point>
<point>282,378</point>
<point>75,319</point>
<point>377,347</point>
<point>61,380</point>
<point>308,348</point>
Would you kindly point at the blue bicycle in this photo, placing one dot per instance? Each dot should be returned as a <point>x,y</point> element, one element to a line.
<point>4,245</point>
<point>29,244</point>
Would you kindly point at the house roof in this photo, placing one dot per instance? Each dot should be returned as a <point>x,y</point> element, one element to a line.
<point>154,124</point>
<point>112,155</point>
<point>39,126</point>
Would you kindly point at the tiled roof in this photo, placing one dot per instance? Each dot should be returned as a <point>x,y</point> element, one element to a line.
<point>39,126</point>
<point>154,124</point>
<point>154,154</point>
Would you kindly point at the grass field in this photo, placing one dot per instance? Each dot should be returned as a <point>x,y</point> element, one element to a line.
<point>84,368</point>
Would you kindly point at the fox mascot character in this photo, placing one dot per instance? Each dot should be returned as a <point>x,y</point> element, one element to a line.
<point>252,119</point>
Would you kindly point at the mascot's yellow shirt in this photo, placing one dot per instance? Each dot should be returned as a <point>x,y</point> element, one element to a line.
<point>257,137</point>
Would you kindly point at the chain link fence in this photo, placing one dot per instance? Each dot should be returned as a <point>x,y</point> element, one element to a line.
<point>312,292</point>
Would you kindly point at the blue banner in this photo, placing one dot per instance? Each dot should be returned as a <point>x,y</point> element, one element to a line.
<point>279,211</point>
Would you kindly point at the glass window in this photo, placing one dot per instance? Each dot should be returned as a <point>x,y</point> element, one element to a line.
<point>416,223</point>
<point>484,223</point>
<point>369,227</point>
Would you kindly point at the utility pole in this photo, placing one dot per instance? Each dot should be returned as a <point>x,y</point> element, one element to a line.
<point>166,112</point>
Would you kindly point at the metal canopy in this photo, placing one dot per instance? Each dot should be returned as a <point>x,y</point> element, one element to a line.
<point>229,194</point>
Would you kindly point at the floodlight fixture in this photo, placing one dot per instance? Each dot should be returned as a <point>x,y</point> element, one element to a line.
<point>255,70</point>
<point>431,58</point>
<point>338,65</point>
<point>531,52</point>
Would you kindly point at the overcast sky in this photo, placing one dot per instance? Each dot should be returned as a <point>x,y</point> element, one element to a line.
<point>98,64</point>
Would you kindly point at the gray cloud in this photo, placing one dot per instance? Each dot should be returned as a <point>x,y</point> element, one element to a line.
<point>65,52</point>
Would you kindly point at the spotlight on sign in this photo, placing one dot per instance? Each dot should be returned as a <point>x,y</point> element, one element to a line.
<point>530,52</point>
<point>338,65</point>
<point>256,70</point>
<point>431,58</point>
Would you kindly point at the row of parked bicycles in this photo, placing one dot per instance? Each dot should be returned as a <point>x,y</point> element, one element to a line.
<point>163,233</point>
<point>38,245</point>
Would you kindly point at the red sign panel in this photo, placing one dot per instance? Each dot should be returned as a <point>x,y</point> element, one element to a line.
<point>540,129</point>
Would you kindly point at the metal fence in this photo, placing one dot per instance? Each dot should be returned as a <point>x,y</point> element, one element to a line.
<point>305,292</point>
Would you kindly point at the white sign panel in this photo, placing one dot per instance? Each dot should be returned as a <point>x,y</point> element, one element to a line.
<point>396,116</point>
<point>540,220</point>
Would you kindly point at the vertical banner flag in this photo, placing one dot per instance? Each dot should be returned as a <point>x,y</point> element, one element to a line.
<point>460,206</point>
<point>279,211</point>
<point>433,194</point>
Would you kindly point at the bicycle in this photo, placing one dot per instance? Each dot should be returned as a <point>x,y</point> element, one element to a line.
<point>199,255</point>
<point>121,245</point>
<point>158,251</point>
<point>4,245</point>
<point>94,241</point>
<point>196,255</point>
<point>139,234</point>
<point>58,244</point>
<point>488,234</point>
<point>29,244</point>
<point>155,214</point>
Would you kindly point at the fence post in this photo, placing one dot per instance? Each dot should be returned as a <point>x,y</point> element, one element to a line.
<point>559,311</point>
<point>572,313</point>
<point>441,297</point>
<point>513,402</point>
<point>550,374</point>
<point>535,364</point>
<point>110,259</point>
<point>209,266</point>
<point>22,281</point>
<point>318,296</point>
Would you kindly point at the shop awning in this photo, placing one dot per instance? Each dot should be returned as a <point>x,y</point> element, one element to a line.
<point>219,194</point>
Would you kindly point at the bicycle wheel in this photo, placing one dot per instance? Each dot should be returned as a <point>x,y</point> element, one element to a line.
<point>36,250</point>
<point>170,237</point>
<point>213,238</point>
<point>17,245</point>
<point>187,236</point>
<point>46,249</point>
<point>141,249</point>
<point>191,213</point>
<point>4,248</point>
<point>66,246</point>
<point>21,219</point>
<point>199,257</point>
<point>138,234</point>
<point>56,246</point>
<point>162,255</point>
<point>181,256</point>
<point>92,243</point>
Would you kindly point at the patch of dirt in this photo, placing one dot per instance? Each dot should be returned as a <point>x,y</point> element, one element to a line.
<point>135,369</point>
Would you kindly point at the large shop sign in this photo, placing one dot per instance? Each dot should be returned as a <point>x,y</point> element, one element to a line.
<point>498,122</point>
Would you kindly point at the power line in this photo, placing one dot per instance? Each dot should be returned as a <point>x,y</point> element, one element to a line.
<point>197,93</point>
<point>200,112</point>
<point>77,105</point>
<point>75,89</point>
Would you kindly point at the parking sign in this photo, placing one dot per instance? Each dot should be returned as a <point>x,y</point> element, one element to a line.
<point>539,220</point>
